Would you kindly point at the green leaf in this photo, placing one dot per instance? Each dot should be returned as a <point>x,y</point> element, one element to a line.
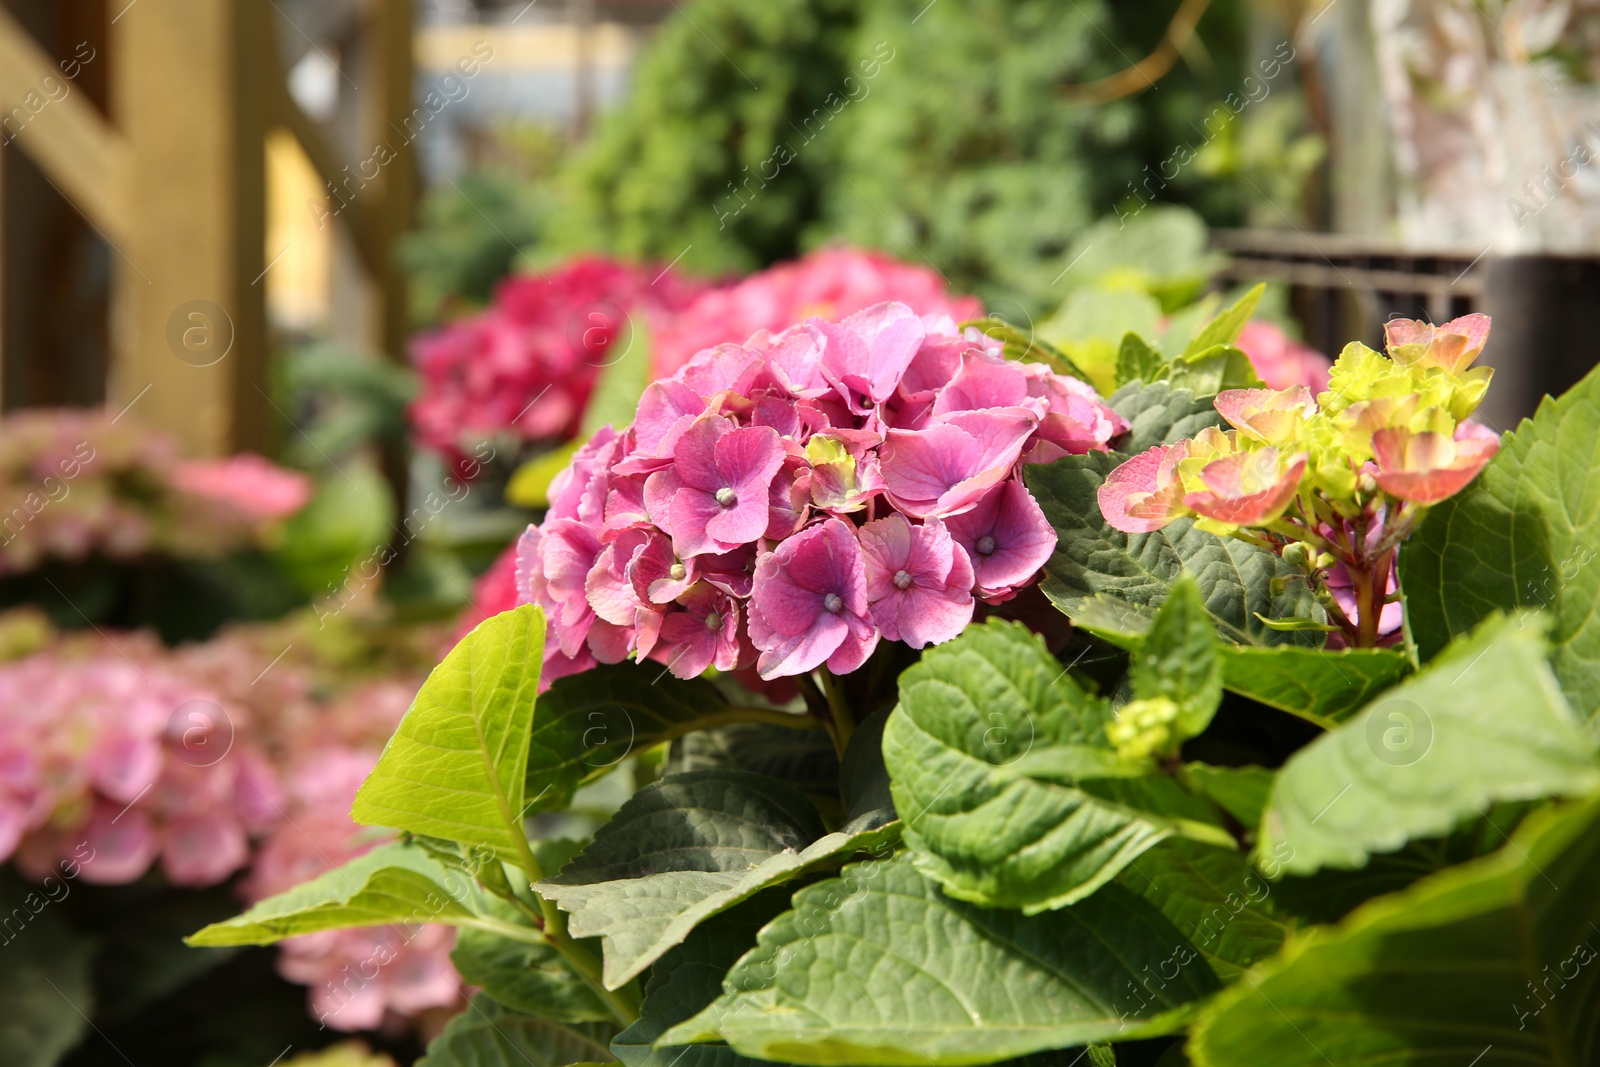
<point>529,486</point>
<point>1226,327</point>
<point>588,723</point>
<point>38,1023</point>
<point>688,978</point>
<point>1220,904</point>
<point>1491,964</point>
<point>1160,414</point>
<point>684,849</point>
<point>1011,793</point>
<point>880,967</point>
<point>394,883</point>
<point>533,979</point>
<point>804,759</point>
<point>1320,685</point>
<point>1178,659</point>
<point>1485,721</point>
<point>1209,372</point>
<point>1137,360</point>
<point>489,1035</point>
<point>455,768</point>
<point>864,780</point>
<point>623,378</point>
<point>1240,791</point>
<point>1090,325</point>
<point>1236,579</point>
<point>1523,535</point>
<point>1026,346</point>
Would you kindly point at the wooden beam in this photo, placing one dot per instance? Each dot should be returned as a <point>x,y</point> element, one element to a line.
<point>79,152</point>
<point>189,321</point>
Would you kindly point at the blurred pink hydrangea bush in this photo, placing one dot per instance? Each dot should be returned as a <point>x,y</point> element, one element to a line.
<point>125,759</point>
<point>791,501</point>
<point>527,364</point>
<point>830,283</point>
<point>76,482</point>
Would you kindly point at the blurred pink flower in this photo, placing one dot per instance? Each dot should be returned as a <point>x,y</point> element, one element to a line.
<point>252,485</point>
<point>831,284</point>
<point>1280,361</point>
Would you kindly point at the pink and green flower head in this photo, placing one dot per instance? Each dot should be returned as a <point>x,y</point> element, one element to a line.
<point>1145,493</point>
<point>1230,487</point>
<point>809,605</point>
<point>1425,468</point>
<point>1269,416</point>
<point>715,496</point>
<point>919,581</point>
<point>1451,347</point>
<point>844,469</point>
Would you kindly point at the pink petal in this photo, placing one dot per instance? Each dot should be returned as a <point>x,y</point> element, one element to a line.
<point>1135,499</point>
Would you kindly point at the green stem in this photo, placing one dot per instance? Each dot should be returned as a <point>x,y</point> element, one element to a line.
<point>623,1005</point>
<point>844,723</point>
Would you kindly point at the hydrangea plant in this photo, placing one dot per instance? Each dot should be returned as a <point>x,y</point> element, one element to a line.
<point>888,808</point>
<point>1331,483</point>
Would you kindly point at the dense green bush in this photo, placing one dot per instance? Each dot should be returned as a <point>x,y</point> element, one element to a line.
<point>941,133</point>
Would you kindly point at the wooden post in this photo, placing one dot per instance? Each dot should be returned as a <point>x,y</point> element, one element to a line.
<point>189,318</point>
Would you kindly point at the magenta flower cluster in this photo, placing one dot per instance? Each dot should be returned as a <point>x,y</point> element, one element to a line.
<point>791,501</point>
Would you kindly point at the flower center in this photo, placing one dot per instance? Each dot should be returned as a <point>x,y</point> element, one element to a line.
<point>985,545</point>
<point>833,602</point>
<point>902,580</point>
<point>713,621</point>
<point>677,571</point>
<point>727,497</point>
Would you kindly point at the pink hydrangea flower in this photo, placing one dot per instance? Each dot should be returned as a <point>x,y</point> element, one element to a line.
<point>715,496</point>
<point>760,487</point>
<point>704,634</point>
<point>1281,362</point>
<point>944,469</point>
<point>919,581</point>
<point>1007,539</point>
<point>809,604</point>
<point>524,367</point>
<point>1271,416</point>
<point>1426,468</point>
<point>1144,494</point>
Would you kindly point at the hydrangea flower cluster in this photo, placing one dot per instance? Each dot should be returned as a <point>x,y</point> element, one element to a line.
<point>829,283</point>
<point>525,366</point>
<point>1332,482</point>
<point>198,763</point>
<point>119,767</point>
<point>791,501</point>
<point>75,482</point>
